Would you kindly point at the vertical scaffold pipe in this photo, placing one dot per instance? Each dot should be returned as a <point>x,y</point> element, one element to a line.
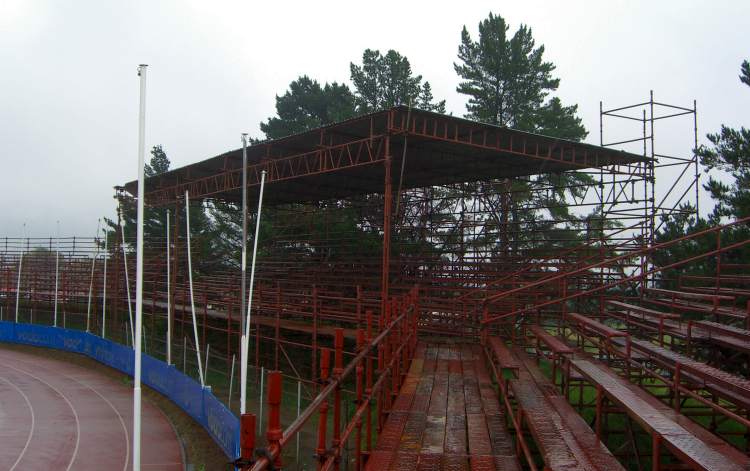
<point>18,284</point>
<point>57,271</point>
<point>139,275</point>
<point>91,284</point>
<point>104,284</point>
<point>192,297</point>
<point>245,344</point>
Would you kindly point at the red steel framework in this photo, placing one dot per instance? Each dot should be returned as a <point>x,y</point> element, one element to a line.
<point>406,224</point>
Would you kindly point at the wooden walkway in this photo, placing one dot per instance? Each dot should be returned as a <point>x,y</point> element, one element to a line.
<point>447,416</point>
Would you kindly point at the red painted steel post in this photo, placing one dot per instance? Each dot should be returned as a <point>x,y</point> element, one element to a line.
<point>274,432</point>
<point>321,451</point>
<point>368,386</point>
<point>598,413</point>
<point>278,325</point>
<point>387,203</point>
<point>395,335</point>
<point>655,455</point>
<point>676,380</point>
<point>247,438</point>
<point>338,368</point>
<point>314,332</point>
<point>381,364</point>
<point>359,387</point>
<point>359,306</point>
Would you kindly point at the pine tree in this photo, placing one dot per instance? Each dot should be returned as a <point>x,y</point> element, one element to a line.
<point>308,105</point>
<point>730,153</point>
<point>508,82</point>
<point>384,81</point>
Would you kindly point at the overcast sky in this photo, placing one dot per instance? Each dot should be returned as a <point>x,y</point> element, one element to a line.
<point>69,89</point>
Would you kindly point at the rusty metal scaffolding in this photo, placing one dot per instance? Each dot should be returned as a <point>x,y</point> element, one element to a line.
<point>405,224</point>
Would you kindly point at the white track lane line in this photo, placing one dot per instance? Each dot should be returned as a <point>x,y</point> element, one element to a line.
<point>119,416</point>
<point>33,421</point>
<point>75,414</point>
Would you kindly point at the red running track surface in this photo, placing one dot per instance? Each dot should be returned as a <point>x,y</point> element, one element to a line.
<point>62,416</point>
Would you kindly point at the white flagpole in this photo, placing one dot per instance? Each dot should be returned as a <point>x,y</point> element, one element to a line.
<point>192,298</point>
<point>139,275</point>
<point>243,351</point>
<point>245,345</point>
<point>169,300</point>
<point>104,293</point>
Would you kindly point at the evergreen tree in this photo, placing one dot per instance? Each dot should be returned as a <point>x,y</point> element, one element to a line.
<point>384,81</point>
<point>308,105</point>
<point>155,219</point>
<point>508,82</point>
<point>730,153</point>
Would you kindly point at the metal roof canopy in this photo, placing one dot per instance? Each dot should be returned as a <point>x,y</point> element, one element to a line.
<point>347,158</point>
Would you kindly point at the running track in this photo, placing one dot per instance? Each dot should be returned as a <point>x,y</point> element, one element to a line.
<point>62,416</point>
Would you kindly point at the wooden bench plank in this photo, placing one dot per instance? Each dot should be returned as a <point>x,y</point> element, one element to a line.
<point>502,353</point>
<point>595,325</point>
<point>685,295</point>
<point>693,444</point>
<point>553,343</point>
<point>642,310</point>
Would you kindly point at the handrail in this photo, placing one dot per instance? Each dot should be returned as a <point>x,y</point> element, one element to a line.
<point>607,262</point>
<point>577,248</point>
<point>390,356</point>
<point>610,261</point>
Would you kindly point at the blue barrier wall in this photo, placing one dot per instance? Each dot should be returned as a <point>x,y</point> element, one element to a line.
<point>198,402</point>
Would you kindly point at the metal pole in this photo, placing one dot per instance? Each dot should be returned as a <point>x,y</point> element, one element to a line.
<point>139,275</point>
<point>184,355</point>
<point>57,270</point>
<point>127,279</point>
<point>91,284</point>
<point>205,369</point>
<point>169,300</point>
<point>104,293</point>
<point>192,297</point>
<point>18,284</point>
<point>243,350</point>
<point>260,399</point>
<point>231,380</point>
<point>245,345</point>
<point>299,403</point>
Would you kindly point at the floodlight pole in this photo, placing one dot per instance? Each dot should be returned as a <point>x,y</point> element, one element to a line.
<point>139,275</point>
<point>246,332</point>
<point>243,353</point>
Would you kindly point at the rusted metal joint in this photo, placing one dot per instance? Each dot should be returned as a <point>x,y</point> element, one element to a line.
<point>264,453</point>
